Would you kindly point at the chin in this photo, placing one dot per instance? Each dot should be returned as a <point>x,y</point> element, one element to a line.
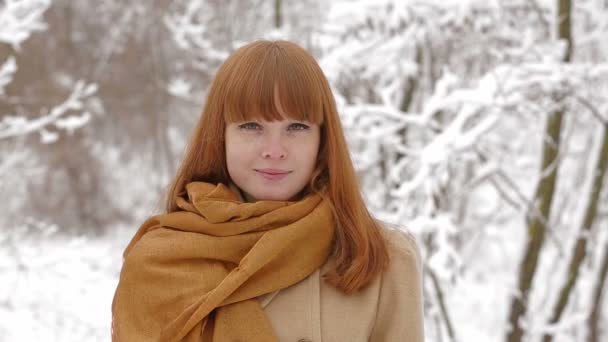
<point>270,196</point>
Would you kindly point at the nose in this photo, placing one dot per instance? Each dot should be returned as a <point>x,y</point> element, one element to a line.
<point>274,148</point>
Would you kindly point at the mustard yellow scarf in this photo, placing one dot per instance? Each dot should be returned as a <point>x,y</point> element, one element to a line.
<point>194,275</point>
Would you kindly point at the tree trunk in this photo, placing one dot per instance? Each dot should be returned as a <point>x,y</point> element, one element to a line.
<point>536,226</point>
<point>441,301</point>
<point>581,243</point>
<point>543,196</point>
<point>278,16</point>
<point>597,299</point>
<point>411,83</point>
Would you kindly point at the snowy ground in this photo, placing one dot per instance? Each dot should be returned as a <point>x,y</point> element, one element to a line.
<point>59,289</point>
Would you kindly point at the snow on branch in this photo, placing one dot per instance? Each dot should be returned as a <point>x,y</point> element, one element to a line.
<point>12,126</point>
<point>19,18</point>
<point>7,70</point>
<point>478,110</point>
<point>189,29</point>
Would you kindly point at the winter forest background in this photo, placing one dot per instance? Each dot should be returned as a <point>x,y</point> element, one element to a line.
<point>480,126</point>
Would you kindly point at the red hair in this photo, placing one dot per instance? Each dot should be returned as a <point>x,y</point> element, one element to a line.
<point>244,88</point>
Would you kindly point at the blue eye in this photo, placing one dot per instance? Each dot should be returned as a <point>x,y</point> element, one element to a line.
<point>250,126</point>
<point>298,127</point>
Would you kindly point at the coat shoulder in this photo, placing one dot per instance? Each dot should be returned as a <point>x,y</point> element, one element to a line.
<point>400,315</point>
<point>401,244</point>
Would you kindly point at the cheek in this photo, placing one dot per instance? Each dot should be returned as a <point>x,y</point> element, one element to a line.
<point>309,154</point>
<point>236,151</point>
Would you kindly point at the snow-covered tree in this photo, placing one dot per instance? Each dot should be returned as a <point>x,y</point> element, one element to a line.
<point>19,163</point>
<point>444,104</point>
<point>19,19</point>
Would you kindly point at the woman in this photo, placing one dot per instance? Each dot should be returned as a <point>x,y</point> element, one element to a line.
<point>266,236</point>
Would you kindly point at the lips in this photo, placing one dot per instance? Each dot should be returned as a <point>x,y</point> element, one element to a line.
<point>273,174</point>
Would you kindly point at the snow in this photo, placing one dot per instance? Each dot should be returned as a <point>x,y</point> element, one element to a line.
<point>458,167</point>
<point>7,70</point>
<point>20,18</point>
<point>180,87</point>
<point>12,126</point>
<point>58,288</point>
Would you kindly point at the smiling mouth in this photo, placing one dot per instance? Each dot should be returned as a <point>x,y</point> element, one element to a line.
<point>272,174</point>
<point>272,171</point>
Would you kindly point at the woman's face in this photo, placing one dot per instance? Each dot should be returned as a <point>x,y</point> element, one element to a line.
<point>271,160</point>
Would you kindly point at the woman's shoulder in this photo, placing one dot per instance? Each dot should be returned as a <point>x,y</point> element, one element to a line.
<point>401,243</point>
<point>400,302</point>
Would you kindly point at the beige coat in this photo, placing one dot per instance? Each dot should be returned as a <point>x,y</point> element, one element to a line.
<point>389,309</point>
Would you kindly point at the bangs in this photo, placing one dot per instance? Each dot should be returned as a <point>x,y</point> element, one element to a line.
<point>267,77</point>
